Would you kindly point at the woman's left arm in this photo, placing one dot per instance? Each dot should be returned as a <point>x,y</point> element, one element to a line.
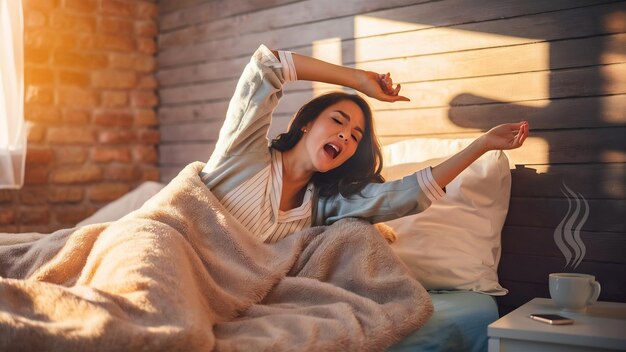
<point>502,137</point>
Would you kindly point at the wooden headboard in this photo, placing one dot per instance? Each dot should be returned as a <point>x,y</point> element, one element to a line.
<point>467,66</point>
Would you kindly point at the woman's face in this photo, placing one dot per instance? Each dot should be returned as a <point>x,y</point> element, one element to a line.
<point>333,137</point>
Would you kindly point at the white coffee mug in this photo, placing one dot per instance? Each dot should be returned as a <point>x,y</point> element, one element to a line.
<point>573,292</point>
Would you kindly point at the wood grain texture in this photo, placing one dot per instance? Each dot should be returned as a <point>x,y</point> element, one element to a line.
<point>529,57</point>
<point>179,154</point>
<point>523,88</point>
<point>199,27</point>
<point>599,246</point>
<point>606,215</point>
<point>561,65</point>
<point>182,13</point>
<point>571,23</point>
<point>192,112</point>
<point>592,180</point>
<point>191,132</point>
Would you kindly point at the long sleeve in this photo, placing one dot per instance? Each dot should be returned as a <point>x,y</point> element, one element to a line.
<point>249,112</point>
<point>242,147</point>
<point>382,201</point>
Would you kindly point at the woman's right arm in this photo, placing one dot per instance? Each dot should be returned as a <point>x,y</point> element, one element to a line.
<point>372,84</point>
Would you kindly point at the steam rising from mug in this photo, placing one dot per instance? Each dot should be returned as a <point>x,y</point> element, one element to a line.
<point>567,234</point>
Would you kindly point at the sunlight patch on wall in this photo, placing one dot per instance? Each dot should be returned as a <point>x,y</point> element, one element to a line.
<point>613,156</point>
<point>535,152</point>
<point>365,26</point>
<point>328,50</point>
<point>615,21</point>
<point>614,50</point>
<point>613,182</point>
<point>614,109</point>
<point>464,63</point>
<point>614,80</point>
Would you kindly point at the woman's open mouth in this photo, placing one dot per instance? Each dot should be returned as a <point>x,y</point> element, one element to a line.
<point>332,150</point>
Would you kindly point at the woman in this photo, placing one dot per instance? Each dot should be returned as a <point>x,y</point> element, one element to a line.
<point>327,165</point>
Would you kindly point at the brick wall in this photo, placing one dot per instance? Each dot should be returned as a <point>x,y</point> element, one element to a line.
<point>90,94</point>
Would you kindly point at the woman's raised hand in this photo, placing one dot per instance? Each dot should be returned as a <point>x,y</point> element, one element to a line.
<point>506,136</point>
<point>379,86</point>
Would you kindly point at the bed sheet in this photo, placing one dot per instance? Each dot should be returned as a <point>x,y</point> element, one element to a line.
<point>459,323</point>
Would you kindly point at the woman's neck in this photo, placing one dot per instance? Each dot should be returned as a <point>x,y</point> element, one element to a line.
<point>295,179</point>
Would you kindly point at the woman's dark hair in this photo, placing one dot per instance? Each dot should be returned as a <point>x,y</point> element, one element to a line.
<point>362,168</point>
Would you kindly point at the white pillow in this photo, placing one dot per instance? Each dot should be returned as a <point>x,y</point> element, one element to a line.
<point>455,243</point>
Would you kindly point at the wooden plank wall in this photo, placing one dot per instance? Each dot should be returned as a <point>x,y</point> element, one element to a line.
<point>466,66</point>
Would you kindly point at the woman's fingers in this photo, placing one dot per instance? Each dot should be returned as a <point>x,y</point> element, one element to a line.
<point>397,90</point>
<point>508,135</point>
<point>525,130</point>
<point>520,133</point>
<point>386,83</point>
<point>389,93</point>
<point>394,98</point>
<point>402,98</point>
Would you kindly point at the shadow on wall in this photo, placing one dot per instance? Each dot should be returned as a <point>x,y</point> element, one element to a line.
<point>583,128</point>
<point>575,103</point>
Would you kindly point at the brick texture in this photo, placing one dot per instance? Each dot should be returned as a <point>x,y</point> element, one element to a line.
<point>90,94</point>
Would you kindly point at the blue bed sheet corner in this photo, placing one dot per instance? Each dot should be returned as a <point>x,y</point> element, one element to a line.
<point>459,323</point>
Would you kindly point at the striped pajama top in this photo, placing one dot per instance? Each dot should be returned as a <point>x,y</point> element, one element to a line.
<point>255,203</point>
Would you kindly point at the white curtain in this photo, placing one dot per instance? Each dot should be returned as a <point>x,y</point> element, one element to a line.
<point>13,129</point>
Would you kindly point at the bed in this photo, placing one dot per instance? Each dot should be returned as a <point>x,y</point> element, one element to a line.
<point>455,258</point>
<point>452,249</point>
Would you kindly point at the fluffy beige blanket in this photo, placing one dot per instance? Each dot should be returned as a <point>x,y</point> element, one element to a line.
<point>180,274</point>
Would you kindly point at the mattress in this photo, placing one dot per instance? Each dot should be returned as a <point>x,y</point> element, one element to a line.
<point>459,323</point>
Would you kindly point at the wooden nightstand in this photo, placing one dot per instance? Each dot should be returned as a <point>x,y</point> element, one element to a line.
<point>601,328</point>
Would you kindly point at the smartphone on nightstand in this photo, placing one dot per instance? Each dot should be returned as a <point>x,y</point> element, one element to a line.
<point>552,319</point>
